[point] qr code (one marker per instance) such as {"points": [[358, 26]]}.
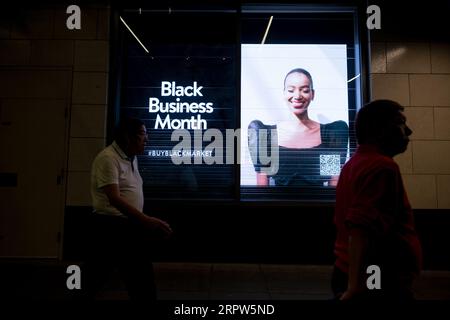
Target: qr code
{"points": [[330, 164]]}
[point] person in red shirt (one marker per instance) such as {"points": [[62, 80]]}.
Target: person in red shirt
{"points": [[373, 217]]}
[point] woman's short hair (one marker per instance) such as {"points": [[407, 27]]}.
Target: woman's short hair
{"points": [[300, 70], [374, 118], [127, 128]]}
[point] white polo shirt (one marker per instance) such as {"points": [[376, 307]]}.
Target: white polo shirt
{"points": [[112, 166]]}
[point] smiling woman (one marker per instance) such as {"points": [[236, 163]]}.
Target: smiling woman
{"points": [[298, 95], [224, 76], [310, 153]]}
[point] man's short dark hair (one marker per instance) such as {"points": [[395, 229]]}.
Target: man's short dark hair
{"points": [[127, 127], [373, 118]]}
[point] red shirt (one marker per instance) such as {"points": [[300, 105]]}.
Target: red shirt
{"points": [[370, 194]]}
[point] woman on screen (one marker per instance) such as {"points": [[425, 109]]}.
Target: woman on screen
{"points": [[309, 153]]}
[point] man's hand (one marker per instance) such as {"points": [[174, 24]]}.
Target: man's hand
{"points": [[157, 225], [357, 251]]}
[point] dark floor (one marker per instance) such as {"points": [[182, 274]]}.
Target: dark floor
{"points": [[46, 279]]}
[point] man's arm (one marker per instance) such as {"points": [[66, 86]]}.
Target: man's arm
{"points": [[358, 244], [116, 200]]}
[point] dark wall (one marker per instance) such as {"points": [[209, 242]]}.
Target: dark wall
{"points": [[433, 229], [257, 234]]}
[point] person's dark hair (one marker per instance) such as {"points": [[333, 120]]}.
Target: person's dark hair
{"points": [[300, 70], [127, 128], [374, 119]]}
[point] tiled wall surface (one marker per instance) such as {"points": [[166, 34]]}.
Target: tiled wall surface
{"points": [[41, 59], [42, 63], [417, 75], [48, 43]]}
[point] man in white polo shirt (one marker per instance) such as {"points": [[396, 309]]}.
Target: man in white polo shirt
{"points": [[121, 230]]}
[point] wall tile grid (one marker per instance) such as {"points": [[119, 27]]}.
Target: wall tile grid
{"points": [[89, 100], [417, 75]]}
